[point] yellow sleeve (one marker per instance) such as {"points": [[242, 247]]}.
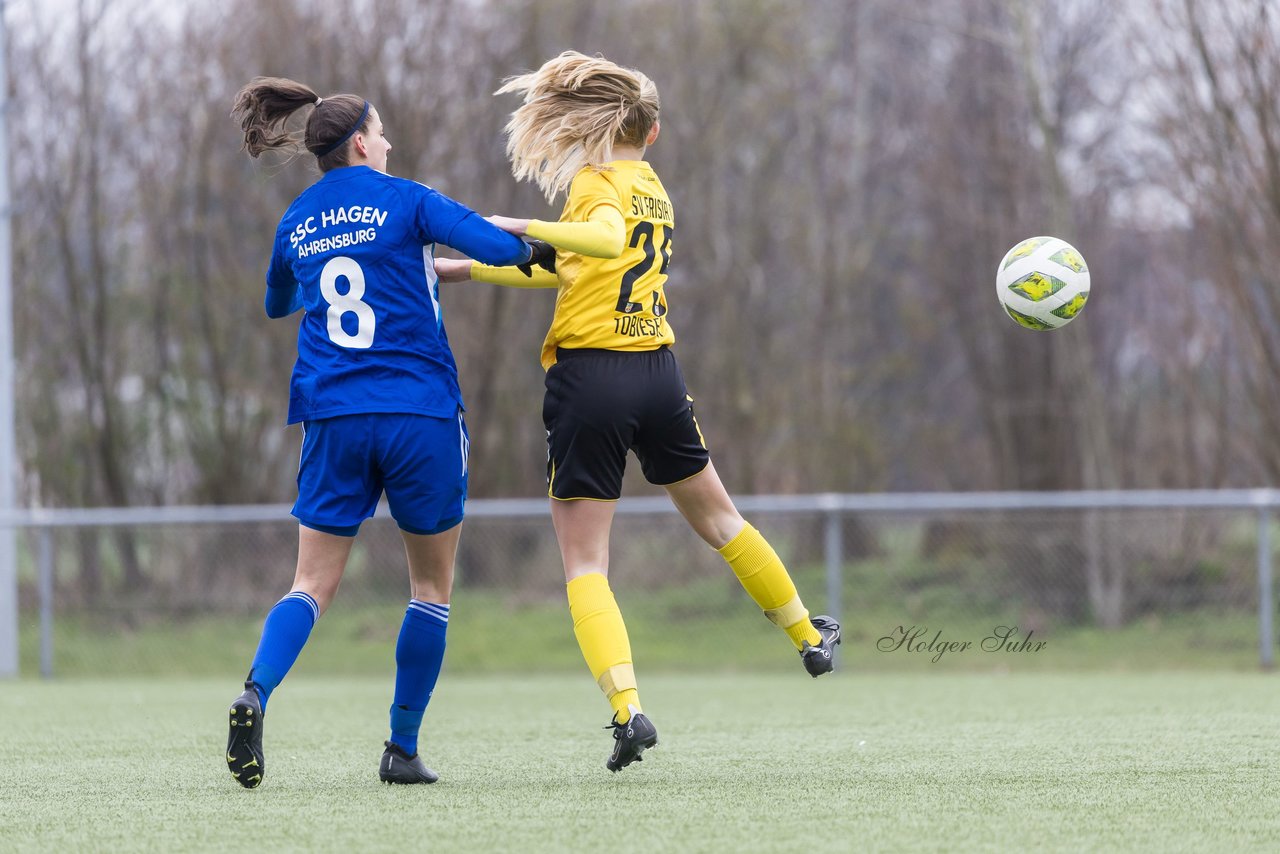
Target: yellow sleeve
{"points": [[512, 278], [601, 236]]}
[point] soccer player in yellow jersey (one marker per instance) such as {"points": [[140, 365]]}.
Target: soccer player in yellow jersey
{"points": [[613, 383]]}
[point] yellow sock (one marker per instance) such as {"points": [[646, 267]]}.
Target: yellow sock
{"points": [[602, 636], [761, 572]]}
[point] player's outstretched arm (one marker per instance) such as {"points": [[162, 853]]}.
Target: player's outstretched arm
{"points": [[601, 235], [452, 271]]}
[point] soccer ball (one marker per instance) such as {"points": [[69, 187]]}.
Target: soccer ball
{"points": [[1042, 283]]}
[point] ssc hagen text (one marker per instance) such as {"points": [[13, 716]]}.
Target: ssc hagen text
{"points": [[354, 215]]}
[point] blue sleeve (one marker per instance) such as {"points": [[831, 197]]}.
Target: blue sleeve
{"points": [[442, 220], [284, 294]]}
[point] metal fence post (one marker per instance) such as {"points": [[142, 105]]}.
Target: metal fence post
{"points": [[834, 545], [44, 572], [1266, 601]]}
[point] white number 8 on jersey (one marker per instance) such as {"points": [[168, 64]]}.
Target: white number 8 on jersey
{"points": [[348, 303]]}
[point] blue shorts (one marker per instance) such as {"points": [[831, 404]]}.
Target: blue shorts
{"points": [[349, 460]]}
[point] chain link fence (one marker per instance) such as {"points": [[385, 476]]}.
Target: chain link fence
{"points": [[1004, 580]]}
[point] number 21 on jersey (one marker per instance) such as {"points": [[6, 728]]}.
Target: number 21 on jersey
{"points": [[643, 233]]}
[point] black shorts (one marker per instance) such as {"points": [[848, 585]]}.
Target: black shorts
{"points": [[602, 403]]}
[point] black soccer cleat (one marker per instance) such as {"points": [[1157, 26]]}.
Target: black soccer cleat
{"points": [[399, 767], [630, 740], [244, 743], [818, 659]]}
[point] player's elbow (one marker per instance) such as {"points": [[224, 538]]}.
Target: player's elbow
{"points": [[613, 240], [608, 243], [280, 303]]}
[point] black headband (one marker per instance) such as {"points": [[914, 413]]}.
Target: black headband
{"points": [[346, 136]]}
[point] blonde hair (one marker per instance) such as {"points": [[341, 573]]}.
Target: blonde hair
{"points": [[576, 108]]}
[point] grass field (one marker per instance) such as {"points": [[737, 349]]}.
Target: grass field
{"points": [[1171, 761]]}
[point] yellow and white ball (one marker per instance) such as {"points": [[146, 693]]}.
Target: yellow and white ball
{"points": [[1043, 283]]}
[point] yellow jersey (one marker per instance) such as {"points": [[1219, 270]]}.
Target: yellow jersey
{"points": [[615, 303]]}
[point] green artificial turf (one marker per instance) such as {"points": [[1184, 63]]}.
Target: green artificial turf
{"points": [[930, 761]]}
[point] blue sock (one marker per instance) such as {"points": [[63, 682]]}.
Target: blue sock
{"points": [[283, 635], [419, 654]]}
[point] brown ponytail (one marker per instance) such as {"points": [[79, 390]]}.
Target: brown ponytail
{"points": [[264, 105]]}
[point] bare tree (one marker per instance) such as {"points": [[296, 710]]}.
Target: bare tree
{"points": [[1215, 100], [845, 181]]}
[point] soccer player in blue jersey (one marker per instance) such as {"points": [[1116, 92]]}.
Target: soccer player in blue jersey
{"points": [[375, 387]]}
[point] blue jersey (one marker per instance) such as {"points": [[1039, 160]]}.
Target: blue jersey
{"points": [[356, 252]]}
